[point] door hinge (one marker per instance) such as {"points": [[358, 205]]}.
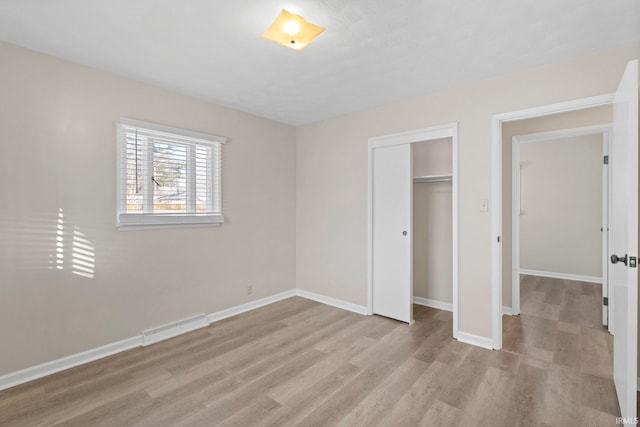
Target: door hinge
{"points": [[606, 160], [605, 301], [633, 262]]}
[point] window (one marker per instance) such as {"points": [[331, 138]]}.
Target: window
{"points": [[167, 176]]}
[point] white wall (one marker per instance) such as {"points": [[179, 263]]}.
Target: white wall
{"points": [[331, 204], [561, 205], [57, 151]]}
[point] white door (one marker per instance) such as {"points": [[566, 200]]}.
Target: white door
{"points": [[392, 248], [624, 238], [605, 231]]}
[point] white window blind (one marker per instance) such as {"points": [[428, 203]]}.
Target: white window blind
{"points": [[167, 176]]}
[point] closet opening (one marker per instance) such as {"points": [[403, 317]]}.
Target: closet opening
{"points": [[433, 224], [413, 225], [555, 212]]}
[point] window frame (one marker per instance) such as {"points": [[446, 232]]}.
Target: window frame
{"points": [[148, 219]]}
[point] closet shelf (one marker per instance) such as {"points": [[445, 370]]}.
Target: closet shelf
{"points": [[433, 178]]}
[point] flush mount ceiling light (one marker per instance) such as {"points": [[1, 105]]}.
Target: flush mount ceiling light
{"points": [[292, 30]]}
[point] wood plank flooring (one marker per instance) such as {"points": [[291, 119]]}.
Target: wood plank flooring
{"points": [[560, 327], [297, 362]]}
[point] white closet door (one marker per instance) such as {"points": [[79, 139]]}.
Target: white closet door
{"points": [[624, 239], [392, 237]]}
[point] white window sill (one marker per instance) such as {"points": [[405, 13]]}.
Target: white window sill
{"points": [[159, 221]]}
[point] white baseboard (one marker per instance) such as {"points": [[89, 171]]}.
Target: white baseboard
{"points": [[433, 303], [477, 340], [33, 373], [332, 302], [507, 310], [173, 329], [223, 314], [553, 275], [167, 331]]}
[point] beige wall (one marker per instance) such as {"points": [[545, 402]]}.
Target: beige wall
{"points": [[561, 205], [57, 151], [331, 204], [575, 119], [432, 221], [432, 157], [432, 241]]}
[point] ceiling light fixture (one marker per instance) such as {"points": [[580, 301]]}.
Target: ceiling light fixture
{"points": [[292, 30]]}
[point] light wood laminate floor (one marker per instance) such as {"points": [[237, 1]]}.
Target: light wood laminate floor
{"points": [[560, 326], [297, 362]]}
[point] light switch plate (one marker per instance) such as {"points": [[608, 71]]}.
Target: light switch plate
{"points": [[484, 205]]}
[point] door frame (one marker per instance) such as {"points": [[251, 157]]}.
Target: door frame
{"points": [[449, 130], [496, 191], [605, 131]]}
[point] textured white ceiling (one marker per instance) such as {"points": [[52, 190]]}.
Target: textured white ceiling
{"points": [[372, 52]]}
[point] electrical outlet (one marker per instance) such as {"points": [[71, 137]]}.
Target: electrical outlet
{"points": [[249, 290]]}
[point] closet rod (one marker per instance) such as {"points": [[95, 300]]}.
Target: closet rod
{"points": [[435, 178]]}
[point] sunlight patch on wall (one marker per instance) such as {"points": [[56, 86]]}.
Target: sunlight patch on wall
{"points": [[60, 241], [80, 253], [83, 255]]}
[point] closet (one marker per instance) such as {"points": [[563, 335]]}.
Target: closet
{"points": [[413, 220], [432, 223]]}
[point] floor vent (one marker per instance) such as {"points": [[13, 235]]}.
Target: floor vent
{"points": [[170, 330]]}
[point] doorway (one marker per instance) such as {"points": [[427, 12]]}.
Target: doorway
{"points": [[559, 209], [623, 220], [390, 218], [501, 216], [553, 202]]}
